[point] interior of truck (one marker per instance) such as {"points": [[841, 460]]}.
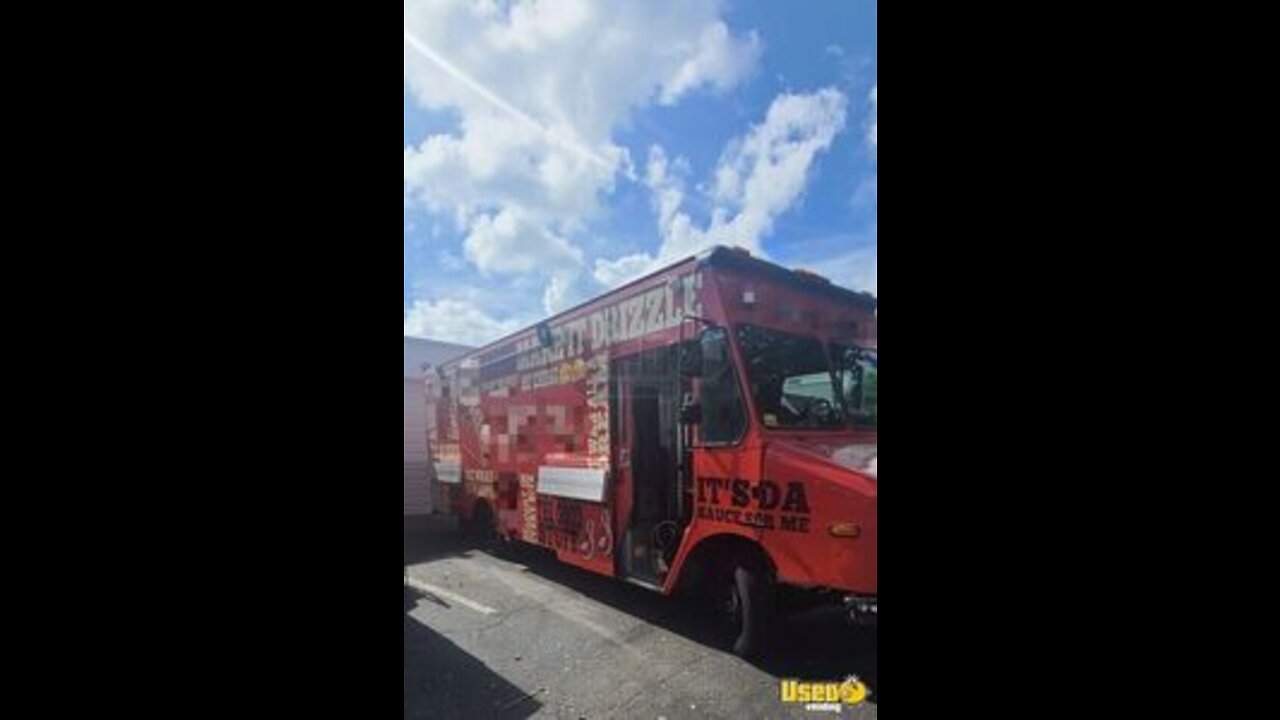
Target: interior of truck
{"points": [[645, 402]]}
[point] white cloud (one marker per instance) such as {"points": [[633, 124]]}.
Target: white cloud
{"points": [[499, 163], [567, 287], [665, 180], [760, 176], [455, 321], [539, 87], [857, 270], [573, 65], [533, 24], [613, 273], [449, 261], [721, 61], [764, 173], [508, 243]]}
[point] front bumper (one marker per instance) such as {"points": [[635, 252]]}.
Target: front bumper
{"points": [[863, 610]]}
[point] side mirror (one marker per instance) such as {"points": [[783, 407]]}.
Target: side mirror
{"points": [[690, 412], [691, 358]]}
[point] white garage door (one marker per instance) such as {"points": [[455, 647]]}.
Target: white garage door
{"points": [[417, 465]]}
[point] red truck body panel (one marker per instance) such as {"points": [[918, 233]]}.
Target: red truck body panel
{"points": [[557, 427]]}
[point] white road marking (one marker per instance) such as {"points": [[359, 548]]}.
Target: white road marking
{"points": [[446, 595], [559, 601]]}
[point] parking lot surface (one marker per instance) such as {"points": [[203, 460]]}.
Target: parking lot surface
{"points": [[518, 634]]}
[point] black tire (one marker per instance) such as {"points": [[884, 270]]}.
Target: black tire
{"points": [[751, 607], [472, 526], [480, 530]]}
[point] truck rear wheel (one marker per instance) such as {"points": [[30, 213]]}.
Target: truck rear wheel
{"points": [[748, 608], [482, 531], [479, 527]]}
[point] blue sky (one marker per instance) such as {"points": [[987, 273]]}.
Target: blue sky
{"points": [[556, 148]]}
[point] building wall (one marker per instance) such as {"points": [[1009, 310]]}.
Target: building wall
{"points": [[417, 464], [419, 490]]}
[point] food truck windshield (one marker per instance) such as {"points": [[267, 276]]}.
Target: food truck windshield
{"points": [[798, 383]]}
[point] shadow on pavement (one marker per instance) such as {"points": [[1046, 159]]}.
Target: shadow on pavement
{"points": [[441, 680], [814, 645], [422, 545]]}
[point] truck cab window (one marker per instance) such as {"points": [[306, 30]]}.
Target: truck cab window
{"points": [[791, 380], [723, 417], [857, 369]]}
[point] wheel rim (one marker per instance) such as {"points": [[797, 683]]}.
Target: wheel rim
{"points": [[733, 607]]}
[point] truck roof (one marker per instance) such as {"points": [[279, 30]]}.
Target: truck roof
{"points": [[729, 258], [719, 256]]}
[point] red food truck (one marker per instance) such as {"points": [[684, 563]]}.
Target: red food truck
{"points": [[709, 429]]}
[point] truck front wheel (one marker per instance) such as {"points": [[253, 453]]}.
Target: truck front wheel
{"points": [[748, 605]]}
